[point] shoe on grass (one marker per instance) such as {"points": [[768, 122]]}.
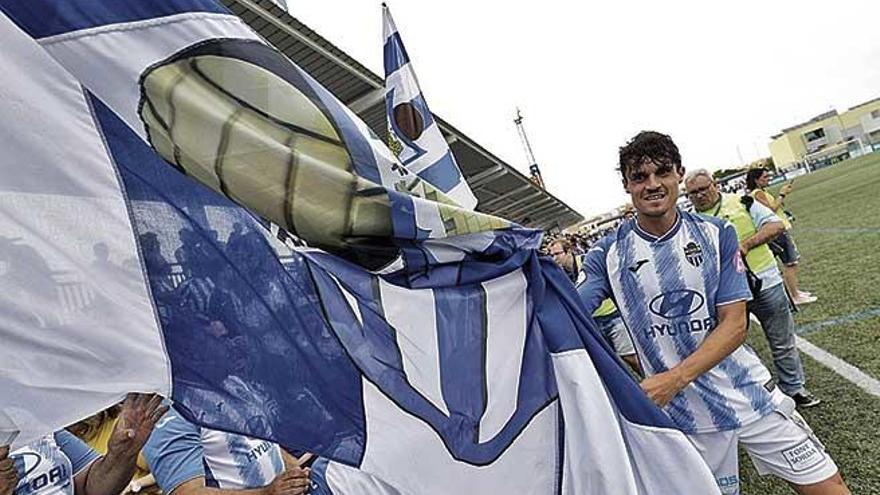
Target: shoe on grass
{"points": [[804, 300], [806, 399]]}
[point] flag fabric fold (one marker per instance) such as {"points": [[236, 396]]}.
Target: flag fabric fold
{"points": [[406, 328], [413, 133]]}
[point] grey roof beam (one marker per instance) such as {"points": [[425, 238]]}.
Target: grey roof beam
{"points": [[548, 220], [367, 100], [504, 196], [539, 212], [522, 208], [484, 176], [270, 18], [524, 199], [551, 211]]}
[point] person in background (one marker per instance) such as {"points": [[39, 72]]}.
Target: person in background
{"points": [[607, 317], [783, 246], [755, 226], [61, 464]]}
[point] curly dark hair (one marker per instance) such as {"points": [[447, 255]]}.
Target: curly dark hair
{"points": [[648, 146], [752, 177]]}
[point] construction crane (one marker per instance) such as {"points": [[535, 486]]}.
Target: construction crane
{"points": [[534, 171]]}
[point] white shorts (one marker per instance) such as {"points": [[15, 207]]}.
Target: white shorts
{"points": [[780, 443]]}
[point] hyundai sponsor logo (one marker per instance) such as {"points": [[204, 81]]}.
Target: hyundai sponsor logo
{"points": [[677, 303]]}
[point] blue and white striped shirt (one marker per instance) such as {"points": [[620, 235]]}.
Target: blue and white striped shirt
{"points": [[668, 289], [179, 451]]}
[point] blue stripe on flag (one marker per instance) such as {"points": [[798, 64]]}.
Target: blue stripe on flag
{"points": [[256, 306], [461, 336], [562, 309], [74, 15], [442, 174], [509, 250], [377, 355], [395, 54]]}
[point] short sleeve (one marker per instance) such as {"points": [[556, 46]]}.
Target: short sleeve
{"points": [[174, 451], [761, 215], [79, 452], [595, 288], [732, 285]]}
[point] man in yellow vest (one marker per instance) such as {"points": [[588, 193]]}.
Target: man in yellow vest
{"points": [[606, 316], [783, 245], [756, 225]]}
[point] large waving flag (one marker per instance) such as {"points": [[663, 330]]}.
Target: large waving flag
{"points": [[413, 133], [408, 328]]}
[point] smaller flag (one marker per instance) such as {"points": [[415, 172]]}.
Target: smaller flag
{"points": [[413, 133]]}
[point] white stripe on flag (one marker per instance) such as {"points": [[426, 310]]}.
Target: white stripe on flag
{"points": [[349, 297], [144, 43], [78, 327], [412, 314], [506, 334], [407, 453]]}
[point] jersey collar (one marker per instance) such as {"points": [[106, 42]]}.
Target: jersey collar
{"points": [[666, 236]]}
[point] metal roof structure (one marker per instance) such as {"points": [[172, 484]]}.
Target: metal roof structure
{"points": [[500, 189]]}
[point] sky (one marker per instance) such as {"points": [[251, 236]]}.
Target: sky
{"points": [[720, 78]]}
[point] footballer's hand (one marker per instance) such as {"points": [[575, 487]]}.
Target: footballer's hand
{"points": [[8, 476], [786, 189], [662, 387]]}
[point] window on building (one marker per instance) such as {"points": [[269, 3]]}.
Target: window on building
{"points": [[814, 134], [875, 114]]}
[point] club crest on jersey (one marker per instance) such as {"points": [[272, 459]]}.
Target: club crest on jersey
{"points": [[693, 253]]}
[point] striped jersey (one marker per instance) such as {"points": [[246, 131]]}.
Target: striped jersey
{"points": [[48, 465], [668, 289], [178, 451]]}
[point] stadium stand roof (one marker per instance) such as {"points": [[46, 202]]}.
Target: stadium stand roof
{"points": [[500, 189]]}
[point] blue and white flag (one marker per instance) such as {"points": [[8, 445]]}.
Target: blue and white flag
{"points": [[420, 347], [413, 133]]}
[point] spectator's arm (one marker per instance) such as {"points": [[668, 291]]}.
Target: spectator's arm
{"points": [[111, 474], [764, 235], [768, 225]]}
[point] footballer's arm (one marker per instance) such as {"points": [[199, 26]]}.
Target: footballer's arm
{"points": [[728, 335]]}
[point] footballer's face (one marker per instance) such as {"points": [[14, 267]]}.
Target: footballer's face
{"points": [[653, 188], [763, 180]]}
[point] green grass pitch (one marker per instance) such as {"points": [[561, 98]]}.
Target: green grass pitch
{"points": [[838, 234]]}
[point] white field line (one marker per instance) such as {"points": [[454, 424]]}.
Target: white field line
{"points": [[839, 366]]}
